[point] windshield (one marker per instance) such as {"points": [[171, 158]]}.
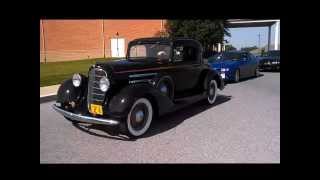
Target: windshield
{"points": [[225, 56], [150, 50]]}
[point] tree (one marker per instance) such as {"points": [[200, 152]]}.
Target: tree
{"points": [[229, 47], [161, 34], [250, 48], [207, 32]]}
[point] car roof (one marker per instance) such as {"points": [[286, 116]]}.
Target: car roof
{"points": [[152, 39]]}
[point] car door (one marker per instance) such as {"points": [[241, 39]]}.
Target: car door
{"points": [[253, 64], [187, 66], [243, 65]]}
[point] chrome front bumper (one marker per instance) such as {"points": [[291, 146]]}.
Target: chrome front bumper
{"points": [[85, 119]]}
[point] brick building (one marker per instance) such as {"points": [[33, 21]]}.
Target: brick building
{"points": [[62, 40]]}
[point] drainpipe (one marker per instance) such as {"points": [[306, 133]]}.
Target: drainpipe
{"points": [[103, 41], [219, 47]]}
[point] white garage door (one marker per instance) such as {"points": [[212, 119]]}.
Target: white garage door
{"points": [[117, 47]]}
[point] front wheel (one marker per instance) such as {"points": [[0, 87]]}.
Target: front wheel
{"points": [[139, 118]]}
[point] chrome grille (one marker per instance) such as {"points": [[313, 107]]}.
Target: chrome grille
{"points": [[95, 95]]}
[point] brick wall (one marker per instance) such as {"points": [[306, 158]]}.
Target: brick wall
{"points": [[77, 39]]}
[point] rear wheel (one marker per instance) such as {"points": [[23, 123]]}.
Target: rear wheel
{"points": [[139, 118], [212, 91]]}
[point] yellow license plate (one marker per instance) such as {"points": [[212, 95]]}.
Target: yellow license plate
{"points": [[96, 109]]}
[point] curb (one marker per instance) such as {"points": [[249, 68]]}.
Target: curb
{"points": [[48, 97]]}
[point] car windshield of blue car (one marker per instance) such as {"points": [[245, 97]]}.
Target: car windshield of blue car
{"points": [[157, 51], [225, 56]]}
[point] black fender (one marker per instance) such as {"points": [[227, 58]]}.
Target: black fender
{"points": [[215, 75], [68, 93], [121, 103]]}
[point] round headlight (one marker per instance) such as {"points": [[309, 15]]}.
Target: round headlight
{"points": [[104, 84], [76, 80]]}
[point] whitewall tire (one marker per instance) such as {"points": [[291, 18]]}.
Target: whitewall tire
{"points": [[140, 117], [212, 91]]}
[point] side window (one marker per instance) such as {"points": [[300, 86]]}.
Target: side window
{"points": [[185, 53], [138, 51]]}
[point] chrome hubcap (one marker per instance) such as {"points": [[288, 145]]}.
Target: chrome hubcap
{"points": [[139, 116], [211, 91]]}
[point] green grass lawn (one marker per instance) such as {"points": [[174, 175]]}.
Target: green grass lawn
{"points": [[52, 73]]}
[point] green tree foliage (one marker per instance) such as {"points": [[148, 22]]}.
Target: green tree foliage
{"points": [[161, 34], [229, 47], [207, 32]]}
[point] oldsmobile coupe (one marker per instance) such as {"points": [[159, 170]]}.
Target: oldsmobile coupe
{"points": [[131, 92]]}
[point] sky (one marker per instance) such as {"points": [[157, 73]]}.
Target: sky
{"points": [[243, 37]]}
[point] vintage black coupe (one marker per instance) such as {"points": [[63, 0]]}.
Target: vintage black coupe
{"points": [[129, 93]]}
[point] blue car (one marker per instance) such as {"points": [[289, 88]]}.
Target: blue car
{"points": [[234, 65]]}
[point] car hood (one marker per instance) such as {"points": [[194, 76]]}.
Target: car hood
{"points": [[127, 65], [222, 64]]}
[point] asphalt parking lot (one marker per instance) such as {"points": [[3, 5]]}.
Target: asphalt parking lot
{"points": [[242, 127]]}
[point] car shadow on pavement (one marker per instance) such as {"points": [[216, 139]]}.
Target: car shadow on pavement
{"points": [[159, 125], [173, 119], [108, 132]]}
